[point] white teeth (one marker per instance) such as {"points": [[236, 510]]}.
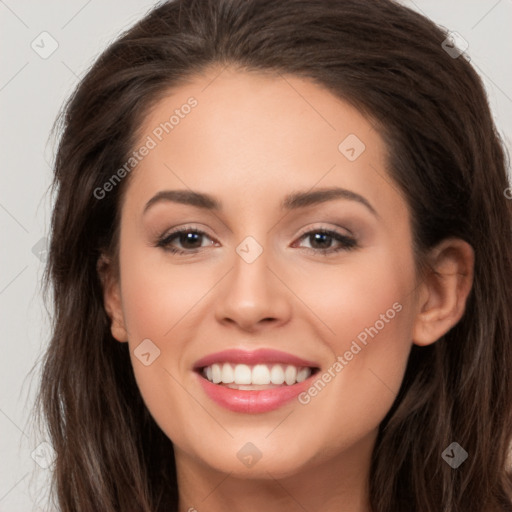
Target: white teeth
{"points": [[216, 374], [259, 375], [290, 375], [277, 374], [242, 374], [228, 375], [303, 374]]}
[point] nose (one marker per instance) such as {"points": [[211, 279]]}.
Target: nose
{"points": [[253, 296]]}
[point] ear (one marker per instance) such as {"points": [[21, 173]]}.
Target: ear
{"points": [[444, 290], [112, 298]]}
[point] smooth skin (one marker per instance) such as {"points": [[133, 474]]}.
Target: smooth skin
{"points": [[253, 139]]}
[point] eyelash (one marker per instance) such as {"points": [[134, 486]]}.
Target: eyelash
{"points": [[347, 243]]}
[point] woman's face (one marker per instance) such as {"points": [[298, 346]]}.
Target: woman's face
{"points": [[262, 276]]}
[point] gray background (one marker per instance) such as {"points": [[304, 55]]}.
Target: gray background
{"points": [[32, 90]]}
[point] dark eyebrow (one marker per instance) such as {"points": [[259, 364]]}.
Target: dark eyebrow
{"points": [[189, 197], [303, 199], [291, 202]]}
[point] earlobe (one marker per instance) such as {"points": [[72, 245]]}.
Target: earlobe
{"points": [[112, 298], [444, 290]]}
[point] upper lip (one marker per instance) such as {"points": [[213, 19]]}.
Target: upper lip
{"points": [[252, 357]]}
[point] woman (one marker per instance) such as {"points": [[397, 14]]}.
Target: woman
{"points": [[281, 267]]}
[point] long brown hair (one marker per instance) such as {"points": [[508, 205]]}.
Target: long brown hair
{"points": [[444, 155]]}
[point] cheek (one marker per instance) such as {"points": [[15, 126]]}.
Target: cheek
{"points": [[362, 293], [163, 303], [351, 397], [158, 296], [354, 394], [370, 313]]}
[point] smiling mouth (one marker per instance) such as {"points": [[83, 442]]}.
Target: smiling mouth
{"points": [[256, 377]]}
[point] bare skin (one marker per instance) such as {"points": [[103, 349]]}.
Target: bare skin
{"points": [[252, 140]]}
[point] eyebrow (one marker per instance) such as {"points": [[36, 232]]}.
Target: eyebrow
{"points": [[293, 201]]}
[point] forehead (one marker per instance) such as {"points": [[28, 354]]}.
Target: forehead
{"points": [[251, 138]]}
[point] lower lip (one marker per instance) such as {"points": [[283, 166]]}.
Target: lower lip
{"points": [[253, 401]]}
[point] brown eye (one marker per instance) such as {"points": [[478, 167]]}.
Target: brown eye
{"points": [[321, 240], [189, 239]]}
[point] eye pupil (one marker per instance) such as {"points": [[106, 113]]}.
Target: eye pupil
{"points": [[190, 237], [322, 237]]}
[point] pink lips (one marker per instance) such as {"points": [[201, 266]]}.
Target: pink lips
{"points": [[252, 401]]}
